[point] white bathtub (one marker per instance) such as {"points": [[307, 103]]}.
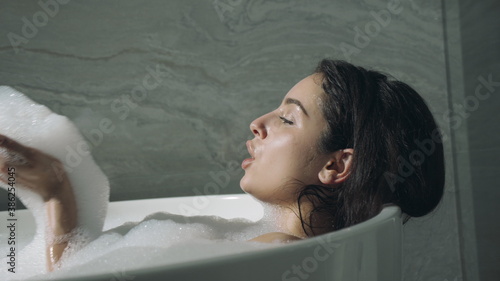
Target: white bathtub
{"points": [[368, 251]]}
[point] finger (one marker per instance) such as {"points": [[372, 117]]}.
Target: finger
{"points": [[13, 152], [2, 139], [13, 145], [18, 182]]}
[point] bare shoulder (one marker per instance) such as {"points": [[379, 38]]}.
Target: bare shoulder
{"points": [[275, 237]]}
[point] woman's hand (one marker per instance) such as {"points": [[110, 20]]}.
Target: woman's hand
{"points": [[34, 169], [44, 175]]}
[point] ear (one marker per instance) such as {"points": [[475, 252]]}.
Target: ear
{"points": [[338, 167]]}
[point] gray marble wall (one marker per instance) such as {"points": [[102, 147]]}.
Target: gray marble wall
{"points": [[181, 80], [480, 23]]}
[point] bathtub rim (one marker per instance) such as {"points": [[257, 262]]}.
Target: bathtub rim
{"points": [[387, 214]]}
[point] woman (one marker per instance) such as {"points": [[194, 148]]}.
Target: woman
{"points": [[344, 142]]}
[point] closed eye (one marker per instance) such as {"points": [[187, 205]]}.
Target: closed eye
{"points": [[286, 121]]}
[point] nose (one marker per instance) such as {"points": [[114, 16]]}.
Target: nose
{"points": [[258, 127]]}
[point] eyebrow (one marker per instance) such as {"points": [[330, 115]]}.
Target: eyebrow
{"points": [[298, 103]]}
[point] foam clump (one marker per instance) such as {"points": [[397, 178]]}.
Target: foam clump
{"points": [[34, 125]]}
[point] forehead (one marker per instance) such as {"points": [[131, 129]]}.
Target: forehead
{"points": [[309, 92]]}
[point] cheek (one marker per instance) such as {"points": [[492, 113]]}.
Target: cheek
{"points": [[283, 147], [285, 165], [279, 166]]}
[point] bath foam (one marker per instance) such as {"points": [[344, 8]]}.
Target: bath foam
{"points": [[163, 239], [34, 125]]}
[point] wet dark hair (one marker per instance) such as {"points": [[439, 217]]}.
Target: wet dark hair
{"points": [[398, 152]]}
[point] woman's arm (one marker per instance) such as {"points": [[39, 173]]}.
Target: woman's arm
{"points": [[44, 175], [61, 221]]}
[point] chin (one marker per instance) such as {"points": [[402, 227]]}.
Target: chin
{"points": [[247, 189], [255, 189], [243, 185]]}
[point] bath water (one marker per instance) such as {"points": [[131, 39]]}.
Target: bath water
{"points": [[159, 239]]}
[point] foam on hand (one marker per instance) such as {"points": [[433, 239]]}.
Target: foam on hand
{"points": [[36, 126]]}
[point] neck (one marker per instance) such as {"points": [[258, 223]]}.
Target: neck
{"points": [[290, 221], [292, 224]]}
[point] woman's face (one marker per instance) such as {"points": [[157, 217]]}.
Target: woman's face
{"points": [[284, 149]]}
